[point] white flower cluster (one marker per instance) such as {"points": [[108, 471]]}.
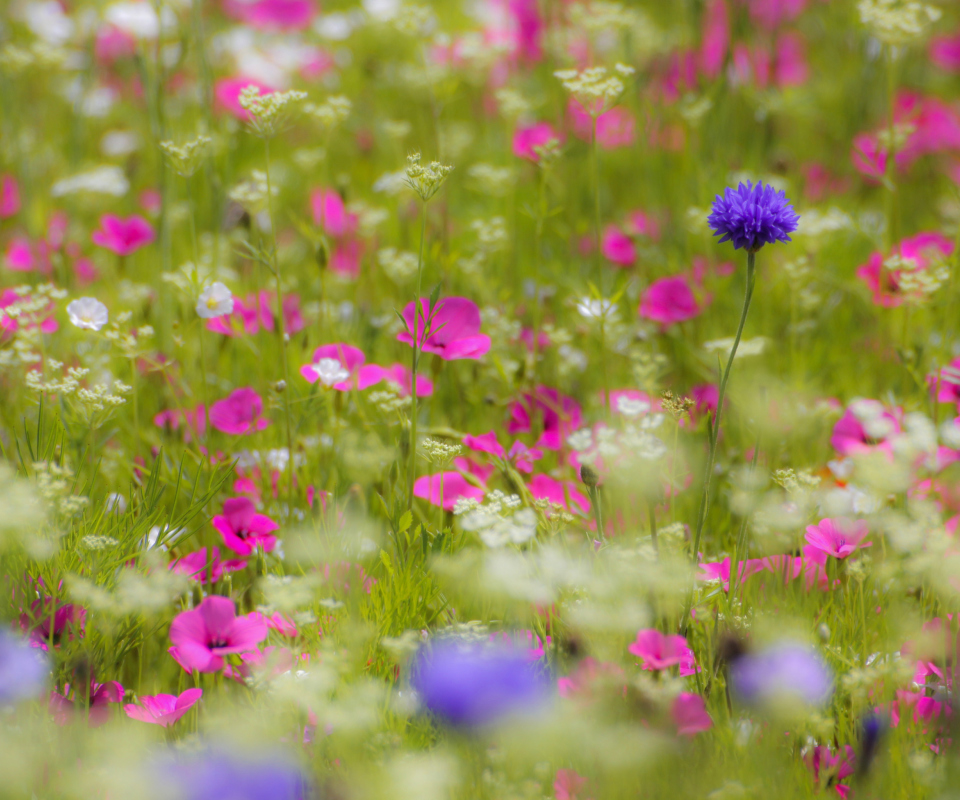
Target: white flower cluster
{"points": [[499, 520], [185, 159], [594, 88], [101, 396], [425, 180], [55, 485], [269, 112], [66, 385], [491, 180], [916, 282], [252, 194], [333, 111], [897, 22], [399, 265], [634, 442]]}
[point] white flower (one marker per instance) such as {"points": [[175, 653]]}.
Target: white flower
{"points": [[214, 301], [102, 180], [139, 19], [48, 21], [330, 371], [89, 313]]}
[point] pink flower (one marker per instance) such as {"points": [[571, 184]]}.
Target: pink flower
{"points": [[641, 223], [452, 328], [867, 155], [272, 14], [212, 630], [239, 413], [43, 320], [945, 383], [243, 529], [9, 196], [561, 416], [838, 537], [112, 44], [884, 282], [617, 247], [194, 421], [450, 485], [100, 696], [690, 715], [945, 52], [227, 94], [123, 236], [770, 14], [669, 301], [248, 316], [163, 709], [67, 621], [528, 138], [853, 434], [659, 651], [543, 487], [568, 785], [837, 766], [344, 364], [486, 443], [205, 566], [716, 38], [24, 256], [400, 376], [720, 571], [615, 128], [330, 213]]}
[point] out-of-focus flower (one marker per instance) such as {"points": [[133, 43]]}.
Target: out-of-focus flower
{"points": [[690, 714], [99, 699], [214, 301], [340, 366], [204, 565], [910, 273], [9, 196], [752, 215], [238, 775], [88, 313], [669, 301], [529, 140], [469, 685], [838, 537], [239, 413], [212, 630], [23, 671], [658, 650], [123, 236], [163, 709], [451, 329], [243, 529], [617, 247], [561, 416], [784, 672], [274, 15], [446, 488]]}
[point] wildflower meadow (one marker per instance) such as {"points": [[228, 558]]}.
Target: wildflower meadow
{"points": [[479, 399]]}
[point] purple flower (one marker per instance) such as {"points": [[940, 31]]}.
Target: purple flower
{"points": [[471, 684], [218, 773], [783, 671], [752, 216], [23, 671]]}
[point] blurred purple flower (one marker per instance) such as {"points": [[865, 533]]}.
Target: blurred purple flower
{"points": [[752, 215], [235, 775], [469, 684], [23, 671], [785, 670]]}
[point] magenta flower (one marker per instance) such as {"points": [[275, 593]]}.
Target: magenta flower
{"points": [[239, 413], [163, 709], [243, 529], [543, 487], [690, 715], [68, 621], [923, 250], [669, 301], [945, 383], [213, 630], [273, 15], [720, 571], [44, 319], [340, 366], [486, 443], [945, 52], [451, 486], [659, 651], [528, 138], [561, 416], [617, 247], [100, 696], [399, 375], [227, 94], [247, 318], [615, 128], [205, 565], [330, 213], [838, 537], [9, 196], [123, 236], [452, 328], [569, 785], [853, 434]]}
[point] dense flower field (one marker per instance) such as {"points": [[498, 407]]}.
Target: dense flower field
{"points": [[479, 399]]}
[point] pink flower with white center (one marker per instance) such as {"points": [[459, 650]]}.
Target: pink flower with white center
{"points": [[163, 709], [690, 715], [451, 329], [838, 537], [340, 366], [123, 236], [239, 413], [659, 651], [669, 301], [211, 631], [243, 529]]}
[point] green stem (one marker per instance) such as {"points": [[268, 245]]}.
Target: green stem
{"points": [[715, 431], [598, 258], [891, 165], [415, 360]]}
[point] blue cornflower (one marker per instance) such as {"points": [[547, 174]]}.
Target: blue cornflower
{"points": [[786, 670], [23, 670], [218, 773], [752, 215], [468, 684]]}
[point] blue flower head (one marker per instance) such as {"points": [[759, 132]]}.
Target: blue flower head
{"points": [[752, 215]]}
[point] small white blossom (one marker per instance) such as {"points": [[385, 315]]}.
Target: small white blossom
{"points": [[89, 313], [214, 301], [329, 371]]}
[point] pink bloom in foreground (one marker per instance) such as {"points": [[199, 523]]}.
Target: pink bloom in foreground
{"points": [[351, 372], [690, 714], [212, 630], [669, 301], [123, 236], [838, 537], [163, 709], [243, 529], [239, 413], [530, 137], [452, 328], [617, 247], [451, 486], [659, 651]]}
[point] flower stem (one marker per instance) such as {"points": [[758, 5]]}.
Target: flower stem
{"points": [[415, 360], [715, 430], [598, 257]]}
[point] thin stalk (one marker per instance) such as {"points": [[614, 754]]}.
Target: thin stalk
{"points": [[715, 429], [598, 258], [891, 165], [415, 360]]}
